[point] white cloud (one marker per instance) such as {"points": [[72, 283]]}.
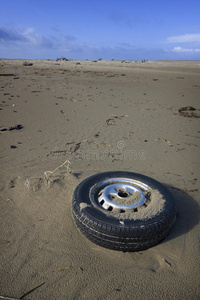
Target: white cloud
{"points": [[24, 37], [186, 38], [27, 43], [31, 36], [185, 50]]}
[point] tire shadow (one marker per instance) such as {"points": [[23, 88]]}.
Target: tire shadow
{"points": [[188, 212]]}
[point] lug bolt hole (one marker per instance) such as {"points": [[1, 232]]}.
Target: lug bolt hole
{"points": [[122, 194], [102, 202]]}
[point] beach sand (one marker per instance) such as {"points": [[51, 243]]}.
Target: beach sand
{"points": [[100, 116]]}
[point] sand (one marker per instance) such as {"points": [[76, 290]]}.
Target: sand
{"points": [[152, 207], [101, 116]]}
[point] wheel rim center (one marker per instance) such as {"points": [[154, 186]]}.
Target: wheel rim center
{"points": [[122, 194], [119, 193]]}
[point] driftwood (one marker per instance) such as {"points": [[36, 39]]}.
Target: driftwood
{"points": [[7, 74], [186, 108], [57, 151], [77, 147], [18, 127], [27, 64], [32, 290], [188, 111], [62, 269]]}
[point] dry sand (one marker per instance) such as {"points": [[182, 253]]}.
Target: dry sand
{"points": [[101, 116]]}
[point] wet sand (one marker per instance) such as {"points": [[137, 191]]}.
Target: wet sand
{"points": [[100, 116]]}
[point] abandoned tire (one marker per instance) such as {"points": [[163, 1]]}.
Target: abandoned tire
{"points": [[123, 211]]}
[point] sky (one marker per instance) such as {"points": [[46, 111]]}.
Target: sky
{"points": [[100, 29]]}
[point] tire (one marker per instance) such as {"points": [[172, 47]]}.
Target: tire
{"points": [[123, 211]]}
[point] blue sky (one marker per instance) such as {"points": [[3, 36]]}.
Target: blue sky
{"points": [[93, 29]]}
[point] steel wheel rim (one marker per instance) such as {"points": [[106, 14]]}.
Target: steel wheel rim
{"points": [[120, 194]]}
